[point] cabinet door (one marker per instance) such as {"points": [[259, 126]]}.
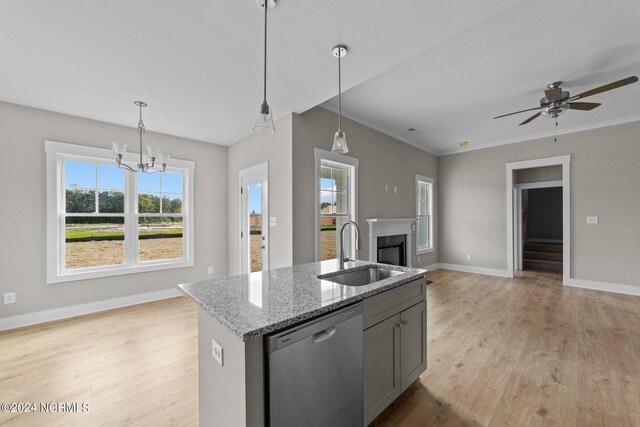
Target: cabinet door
{"points": [[413, 343], [381, 366]]}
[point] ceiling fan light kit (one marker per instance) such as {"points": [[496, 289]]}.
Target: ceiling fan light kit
{"points": [[557, 102]]}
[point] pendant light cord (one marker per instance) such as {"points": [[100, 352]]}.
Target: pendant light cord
{"points": [[339, 89], [265, 49]]}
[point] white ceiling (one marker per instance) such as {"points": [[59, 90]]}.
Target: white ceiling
{"points": [[198, 62], [452, 91]]}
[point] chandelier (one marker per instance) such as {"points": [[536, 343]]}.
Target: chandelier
{"points": [[153, 162]]}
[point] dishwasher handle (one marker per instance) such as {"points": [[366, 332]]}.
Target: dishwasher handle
{"points": [[324, 335]]}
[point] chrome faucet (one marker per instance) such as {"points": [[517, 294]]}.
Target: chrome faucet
{"points": [[342, 259]]}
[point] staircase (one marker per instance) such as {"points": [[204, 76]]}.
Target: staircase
{"points": [[542, 256]]}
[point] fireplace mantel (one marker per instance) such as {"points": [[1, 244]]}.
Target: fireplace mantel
{"points": [[389, 227]]}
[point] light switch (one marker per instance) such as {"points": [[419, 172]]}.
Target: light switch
{"points": [[216, 351], [592, 220], [395, 189], [273, 221], [386, 188]]}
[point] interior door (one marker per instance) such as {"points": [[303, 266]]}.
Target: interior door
{"points": [[254, 217]]}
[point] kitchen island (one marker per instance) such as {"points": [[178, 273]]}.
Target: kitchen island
{"points": [[236, 316]]}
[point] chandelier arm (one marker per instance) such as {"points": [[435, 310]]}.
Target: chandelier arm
{"points": [[127, 166]]}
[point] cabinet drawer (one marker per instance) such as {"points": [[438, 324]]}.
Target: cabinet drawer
{"points": [[386, 304]]}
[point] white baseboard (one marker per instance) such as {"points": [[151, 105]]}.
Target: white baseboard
{"points": [[603, 286], [470, 269], [80, 309]]}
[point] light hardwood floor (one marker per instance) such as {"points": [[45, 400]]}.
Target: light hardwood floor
{"points": [[515, 352]]}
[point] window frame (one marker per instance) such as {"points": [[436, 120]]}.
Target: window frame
{"points": [[343, 162], [56, 154], [429, 182]]}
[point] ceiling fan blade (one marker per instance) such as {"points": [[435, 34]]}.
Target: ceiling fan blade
{"points": [[518, 112], [584, 106], [535, 116], [606, 87], [554, 94]]}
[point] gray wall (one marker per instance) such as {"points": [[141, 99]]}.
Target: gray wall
{"points": [[23, 215], [547, 173], [544, 209], [604, 181], [383, 160], [254, 149]]}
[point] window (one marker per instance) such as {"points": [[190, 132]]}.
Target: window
{"points": [[424, 214], [336, 202], [103, 220]]}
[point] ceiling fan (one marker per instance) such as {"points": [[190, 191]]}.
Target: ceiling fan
{"points": [[556, 101]]}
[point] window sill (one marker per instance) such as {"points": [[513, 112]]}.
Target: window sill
{"points": [[117, 271], [424, 251]]}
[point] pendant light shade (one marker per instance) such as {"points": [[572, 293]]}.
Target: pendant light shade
{"points": [[340, 138], [340, 142], [264, 122]]}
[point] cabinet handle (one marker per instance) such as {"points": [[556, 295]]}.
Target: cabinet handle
{"points": [[404, 322], [398, 325]]}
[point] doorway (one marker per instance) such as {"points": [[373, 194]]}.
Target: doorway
{"points": [[254, 215], [539, 240], [515, 238]]}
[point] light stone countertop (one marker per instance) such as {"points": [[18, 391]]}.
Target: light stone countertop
{"points": [[256, 304]]}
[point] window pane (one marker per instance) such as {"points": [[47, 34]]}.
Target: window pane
{"points": [[327, 237], [422, 207], [110, 177], [148, 183], [340, 179], [149, 203], [93, 242], [79, 174], [79, 200], [326, 182], [423, 232], [341, 203], [171, 203], [327, 202], [159, 238], [111, 202], [171, 182], [422, 192]]}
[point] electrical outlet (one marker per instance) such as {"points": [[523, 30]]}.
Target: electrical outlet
{"points": [[592, 220], [418, 259], [216, 351], [468, 257], [10, 298], [273, 221], [386, 188], [210, 269]]}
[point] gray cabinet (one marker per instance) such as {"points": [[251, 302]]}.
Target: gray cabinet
{"points": [[395, 349], [413, 344], [382, 380]]}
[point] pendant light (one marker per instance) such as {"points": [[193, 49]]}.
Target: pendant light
{"points": [[340, 138], [264, 123]]}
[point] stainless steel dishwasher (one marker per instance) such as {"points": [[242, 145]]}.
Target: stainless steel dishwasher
{"points": [[315, 372]]}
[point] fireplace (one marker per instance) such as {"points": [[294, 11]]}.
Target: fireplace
{"points": [[391, 250], [390, 241]]}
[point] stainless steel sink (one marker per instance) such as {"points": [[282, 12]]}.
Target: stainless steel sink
{"points": [[361, 277]]}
